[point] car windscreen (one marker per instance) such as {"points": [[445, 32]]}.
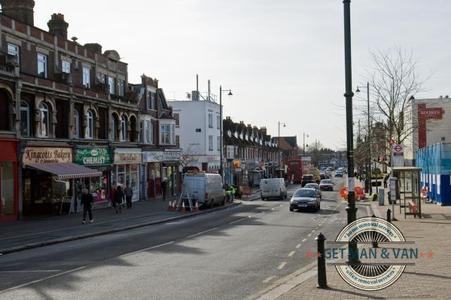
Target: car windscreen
{"points": [[326, 181], [311, 186], [305, 193]]}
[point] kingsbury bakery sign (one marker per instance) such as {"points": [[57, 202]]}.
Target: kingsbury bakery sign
{"points": [[93, 156], [38, 155]]}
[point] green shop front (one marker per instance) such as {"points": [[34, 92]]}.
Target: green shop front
{"points": [[100, 159]]}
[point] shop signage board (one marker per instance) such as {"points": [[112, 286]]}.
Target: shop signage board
{"points": [[93, 156], [43, 155], [160, 156], [127, 157]]}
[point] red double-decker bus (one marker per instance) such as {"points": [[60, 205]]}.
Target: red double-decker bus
{"points": [[294, 171]]}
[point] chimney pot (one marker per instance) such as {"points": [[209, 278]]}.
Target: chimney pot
{"points": [[21, 10], [58, 26]]}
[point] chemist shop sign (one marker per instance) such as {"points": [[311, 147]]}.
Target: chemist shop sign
{"points": [[93, 156]]}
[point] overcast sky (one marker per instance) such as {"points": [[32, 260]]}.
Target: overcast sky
{"points": [[283, 59]]}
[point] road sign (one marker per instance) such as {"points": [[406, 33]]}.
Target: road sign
{"points": [[397, 149]]}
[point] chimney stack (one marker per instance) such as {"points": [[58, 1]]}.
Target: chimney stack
{"points": [[20, 10], [58, 26]]}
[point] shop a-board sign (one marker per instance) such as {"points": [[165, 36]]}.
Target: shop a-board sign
{"points": [[93, 156], [45, 155]]}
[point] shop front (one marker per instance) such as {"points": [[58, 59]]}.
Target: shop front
{"points": [[162, 165], [126, 168], [9, 201], [100, 159], [49, 179]]}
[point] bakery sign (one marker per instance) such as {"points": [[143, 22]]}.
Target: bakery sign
{"points": [[122, 157], [43, 155]]}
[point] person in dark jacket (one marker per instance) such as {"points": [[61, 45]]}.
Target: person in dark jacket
{"points": [[118, 199], [87, 200], [128, 191]]}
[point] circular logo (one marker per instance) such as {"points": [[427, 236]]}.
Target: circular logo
{"points": [[370, 274], [94, 152]]}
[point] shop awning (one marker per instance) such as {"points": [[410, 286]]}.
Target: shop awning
{"points": [[66, 170]]}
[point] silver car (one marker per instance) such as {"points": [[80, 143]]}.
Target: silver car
{"points": [[305, 198]]}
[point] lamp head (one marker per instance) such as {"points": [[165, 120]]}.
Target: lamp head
{"points": [[357, 90], [230, 93]]}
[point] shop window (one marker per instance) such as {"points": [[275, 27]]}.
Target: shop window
{"points": [[76, 131], [89, 131], [44, 120], [25, 129], [7, 189], [123, 133]]}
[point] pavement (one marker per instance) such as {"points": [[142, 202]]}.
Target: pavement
{"points": [[429, 279], [39, 232]]}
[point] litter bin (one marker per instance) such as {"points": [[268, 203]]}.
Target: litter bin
{"points": [[381, 197]]}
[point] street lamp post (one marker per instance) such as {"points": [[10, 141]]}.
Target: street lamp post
{"points": [[221, 150], [368, 173], [278, 142], [351, 209], [303, 142]]}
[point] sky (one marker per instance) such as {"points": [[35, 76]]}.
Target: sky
{"points": [[282, 59]]}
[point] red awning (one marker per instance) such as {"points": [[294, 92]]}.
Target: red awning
{"points": [[66, 170]]}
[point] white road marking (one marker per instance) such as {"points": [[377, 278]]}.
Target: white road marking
{"points": [[236, 221], [200, 233], [304, 240], [298, 246], [291, 253], [282, 265], [268, 279], [309, 235], [146, 249], [29, 271]]}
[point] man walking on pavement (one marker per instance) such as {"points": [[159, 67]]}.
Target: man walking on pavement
{"points": [[86, 201], [163, 188], [128, 195], [117, 200]]}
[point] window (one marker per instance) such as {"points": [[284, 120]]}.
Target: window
{"points": [[65, 66], [24, 119], [148, 132], [150, 100], [166, 134], [219, 143], [210, 143], [89, 131], [76, 124], [177, 141], [218, 122], [42, 65], [177, 120], [86, 77], [210, 120], [14, 51], [123, 128], [111, 87], [121, 87], [44, 122]]}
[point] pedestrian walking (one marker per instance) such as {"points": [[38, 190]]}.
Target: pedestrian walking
{"points": [[118, 199], [87, 200], [128, 191]]}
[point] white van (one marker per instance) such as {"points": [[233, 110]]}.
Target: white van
{"points": [[205, 188], [273, 188]]}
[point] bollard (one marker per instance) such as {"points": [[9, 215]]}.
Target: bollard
{"points": [[389, 215], [322, 280]]}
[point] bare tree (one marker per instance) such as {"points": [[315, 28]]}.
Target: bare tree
{"points": [[394, 81]]}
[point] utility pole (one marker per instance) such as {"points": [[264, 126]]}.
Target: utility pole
{"points": [[370, 187]]}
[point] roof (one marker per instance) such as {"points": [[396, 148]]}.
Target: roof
{"points": [[66, 170]]}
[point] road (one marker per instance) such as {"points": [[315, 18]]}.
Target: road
{"points": [[229, 254]]}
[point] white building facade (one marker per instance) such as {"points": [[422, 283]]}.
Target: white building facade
{"points": [[197, 133]]}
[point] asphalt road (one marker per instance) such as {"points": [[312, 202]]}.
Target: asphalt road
{"points": [[229, 254]]}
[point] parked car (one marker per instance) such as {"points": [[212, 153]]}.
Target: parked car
{"points": [[338, 174], [307, 178], [205, 188], [305, 199], [273, 188], [326, 185]]}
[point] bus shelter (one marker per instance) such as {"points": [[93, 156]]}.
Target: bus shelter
{"points": [[408, 190]]}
